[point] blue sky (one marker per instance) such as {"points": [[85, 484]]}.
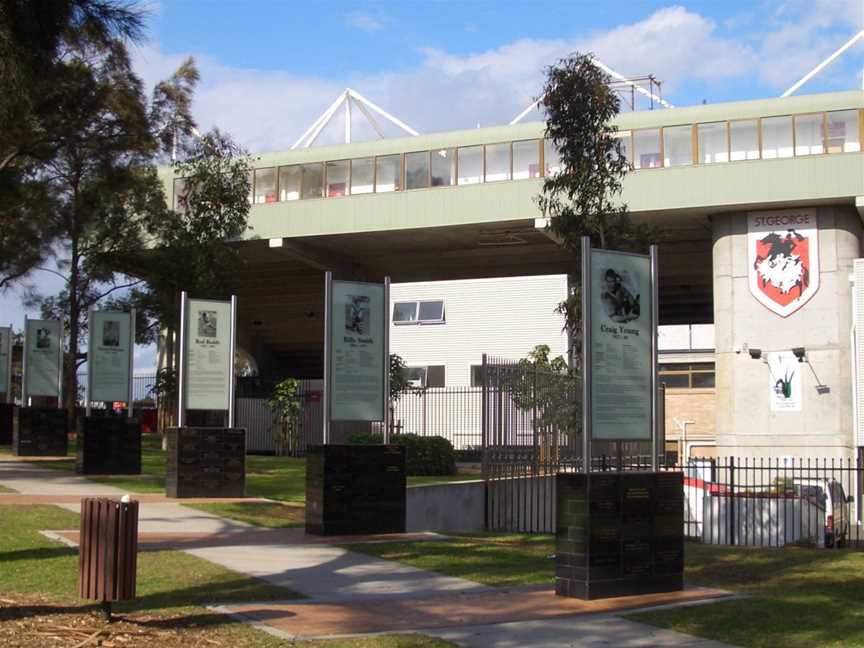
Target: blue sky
{"points": [[269, 68]]}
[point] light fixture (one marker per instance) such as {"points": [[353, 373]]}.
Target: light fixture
{"points": [[800, 353], [755, 353]]}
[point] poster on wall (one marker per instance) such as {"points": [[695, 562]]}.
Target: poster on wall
{"points": [[43, 353], [109, 356], [358, 353], [784, 383], [783, 258], [621, 333], [209, 366]]}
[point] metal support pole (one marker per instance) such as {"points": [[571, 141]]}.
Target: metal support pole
{"points": [[586, 354], [88, 390], [181, 369], [655, 318], [328, 315], [131, 362], [386, 396], [232, 350]]}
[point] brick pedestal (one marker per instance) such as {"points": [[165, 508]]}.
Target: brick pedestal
{"points": [[39, 432], [355, 489], [108, 445], [7, 419], [206, 462], [619, 534]]}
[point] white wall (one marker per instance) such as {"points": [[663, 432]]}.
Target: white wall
{"points": [[504, 317]]}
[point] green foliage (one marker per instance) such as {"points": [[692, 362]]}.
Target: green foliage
{"points": [[285, 403], [398, 382], [424, 455], [584, 199], [548, 389]]}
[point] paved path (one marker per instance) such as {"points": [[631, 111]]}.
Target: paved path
{"points": [[603, 631], [30, 479]]}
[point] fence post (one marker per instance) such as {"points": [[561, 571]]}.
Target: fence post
{"points": [[731, 507]]}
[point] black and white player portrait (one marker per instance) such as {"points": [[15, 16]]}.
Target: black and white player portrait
{"points": [[619, 296], [111, 333], [357, 314], [43, 338], [207, 323]]}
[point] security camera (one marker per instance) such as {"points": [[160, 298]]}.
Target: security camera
{"points": [[755, 353], [800, 353]]}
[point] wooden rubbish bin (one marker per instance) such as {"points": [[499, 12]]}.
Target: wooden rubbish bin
{"points": [[108, 551]]}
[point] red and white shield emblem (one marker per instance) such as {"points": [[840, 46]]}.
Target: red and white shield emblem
{"points": [[783, 254]]}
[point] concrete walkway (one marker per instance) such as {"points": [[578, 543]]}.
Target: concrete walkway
{"points": [[603, 631]]}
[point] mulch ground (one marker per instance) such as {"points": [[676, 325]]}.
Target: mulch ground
{"points": [[36, 622]]}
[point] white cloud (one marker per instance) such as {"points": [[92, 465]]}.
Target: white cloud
{"points": [[366, 22]]}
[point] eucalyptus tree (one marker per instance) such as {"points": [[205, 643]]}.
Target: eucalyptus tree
{"points": [[584, 197]]}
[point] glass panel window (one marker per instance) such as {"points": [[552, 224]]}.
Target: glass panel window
{"points": [[443, 167], [265, 186], [289, 182], [417, 170], [551, 159], [808, 134], [776, 137], [625, 138], [526, 159], [312, 180], [180, 195], [713, 146], [703, 379], [431, 311], [843, 132], [337, 178], [646, 149], [744, 140], [405, 312], [470, 165], [476, 375], [388, 173], [415, 376], [677, 146], [675, 380], [497, 162], [435, 376], [362, 176]]}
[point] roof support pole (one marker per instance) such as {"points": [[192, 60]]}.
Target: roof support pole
{"points": [[824, 63]]}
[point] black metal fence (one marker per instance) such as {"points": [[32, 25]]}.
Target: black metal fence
{"points": [[455, 413], [774, 502], [142, 390]]}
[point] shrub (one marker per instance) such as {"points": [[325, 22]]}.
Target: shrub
{"points": [[424, 455]]}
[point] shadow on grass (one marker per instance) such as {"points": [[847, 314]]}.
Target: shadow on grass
{"points": [[39, 553]]}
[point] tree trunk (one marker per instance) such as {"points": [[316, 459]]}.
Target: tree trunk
{"points": [[74, 329]]}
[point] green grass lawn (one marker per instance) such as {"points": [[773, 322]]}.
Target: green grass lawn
{"points": [[170, 583], [3, 489], [797, 597], [497, 559]]}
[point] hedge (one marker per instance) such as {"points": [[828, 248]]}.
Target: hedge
{"points": [[424, 455]]}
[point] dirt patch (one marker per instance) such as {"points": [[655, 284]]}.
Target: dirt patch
{"points": [[28, 622]]}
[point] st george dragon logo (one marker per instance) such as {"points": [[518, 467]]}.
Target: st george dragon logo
{"points": [[783, 255]]}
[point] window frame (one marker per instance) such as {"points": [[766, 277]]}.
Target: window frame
{"points": [[417, 303]]}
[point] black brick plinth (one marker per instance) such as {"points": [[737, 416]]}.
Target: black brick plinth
{"points": [[355, 489], [108, 445], [619, 534], [7, 418], [39, 432], [206, 462]]}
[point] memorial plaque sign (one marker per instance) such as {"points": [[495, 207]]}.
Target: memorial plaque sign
{"points": [[43, 356], [358, 351], [209, 363], [109, 356], [6, 362]]}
